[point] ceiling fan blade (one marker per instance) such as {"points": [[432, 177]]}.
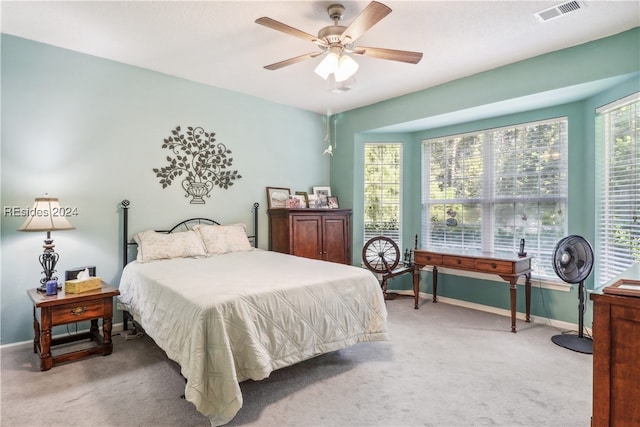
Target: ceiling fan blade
{"points": [[290, 61], [369, 17], [279, 26], [390, 54]]}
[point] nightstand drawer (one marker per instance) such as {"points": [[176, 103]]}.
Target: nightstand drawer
{"points": [[76, 312], [492, 266]]}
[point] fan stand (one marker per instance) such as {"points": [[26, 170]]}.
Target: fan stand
{"points": [[579, 342]]}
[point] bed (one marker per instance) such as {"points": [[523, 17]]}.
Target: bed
{"points": [[228, 312]]}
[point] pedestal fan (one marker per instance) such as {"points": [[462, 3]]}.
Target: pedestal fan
{"points": [[572, 262]]}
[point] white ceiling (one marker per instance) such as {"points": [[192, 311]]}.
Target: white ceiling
{"points": [[217, 42]]}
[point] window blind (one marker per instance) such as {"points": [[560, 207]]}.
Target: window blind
{"points": [[486, 190], [618, 184], [382, 191]]}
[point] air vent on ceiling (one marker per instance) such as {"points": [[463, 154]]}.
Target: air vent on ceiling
{"points": [[559, 10]]}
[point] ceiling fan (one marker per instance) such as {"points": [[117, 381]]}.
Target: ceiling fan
{"points": [[336, 41]]}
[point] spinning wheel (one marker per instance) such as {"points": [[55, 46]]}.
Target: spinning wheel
{"points": [[381, 254]]}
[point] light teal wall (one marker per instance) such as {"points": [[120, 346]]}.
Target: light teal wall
{"points": [[89, 131], [616, 56]]}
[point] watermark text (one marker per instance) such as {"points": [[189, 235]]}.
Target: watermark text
{"points": [[56, 211]]}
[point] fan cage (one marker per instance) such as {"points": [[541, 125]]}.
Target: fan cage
{"points": [[579, 264]]}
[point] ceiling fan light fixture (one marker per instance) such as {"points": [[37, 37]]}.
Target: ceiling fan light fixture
{"points": [[336, 39], [347, 67], [328, 65]]}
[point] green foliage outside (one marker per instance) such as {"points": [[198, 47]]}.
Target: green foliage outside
{"points": [[382, 190], [624, 181], [519, 184]]}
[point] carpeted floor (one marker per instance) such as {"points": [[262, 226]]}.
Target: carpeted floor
{"points": [[444, 366]]}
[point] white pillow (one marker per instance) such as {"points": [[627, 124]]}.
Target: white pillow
{"points": [[222, 239], [153, 245]]}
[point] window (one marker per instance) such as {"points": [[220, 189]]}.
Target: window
{"points": [[487, 190], [618, 186], [382, 190]]}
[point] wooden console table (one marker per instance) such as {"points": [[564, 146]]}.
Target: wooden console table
{"points": [[508, 267]]}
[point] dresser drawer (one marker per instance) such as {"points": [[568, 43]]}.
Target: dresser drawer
{"points": [[459, 262], [76, 312], [493, 266], [427, 258]]}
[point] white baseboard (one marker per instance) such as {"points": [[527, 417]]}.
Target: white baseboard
{"points": [[559, 324]]}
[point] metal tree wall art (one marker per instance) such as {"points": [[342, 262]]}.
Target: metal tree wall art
{"points": [[198, 163]]}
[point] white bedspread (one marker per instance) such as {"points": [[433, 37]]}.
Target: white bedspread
{"points": [[239, 316]]}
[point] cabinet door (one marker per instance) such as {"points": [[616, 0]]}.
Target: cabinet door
{"points": [[306, 236], [336, 239], [279, 233]]}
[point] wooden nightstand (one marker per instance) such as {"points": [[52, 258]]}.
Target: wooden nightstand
{"points": [[61, 309]]}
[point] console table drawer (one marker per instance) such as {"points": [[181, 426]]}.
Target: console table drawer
{"points": [[459, 262], [76, 312], [492, 266], [427, 258]]}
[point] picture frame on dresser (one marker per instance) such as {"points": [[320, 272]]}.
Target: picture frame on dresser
{"points": [[322, 191], [305, 197], [627, 287], [293, 202], [277, 197], [302, 200], [322, 194], [332, 202]]}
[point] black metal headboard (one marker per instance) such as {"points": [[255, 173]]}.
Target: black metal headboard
{"points": [[181, 226], [189, 224]]}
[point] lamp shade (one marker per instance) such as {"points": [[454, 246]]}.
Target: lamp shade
{"points": [[46, 215], [328, 65], [347, 67]]}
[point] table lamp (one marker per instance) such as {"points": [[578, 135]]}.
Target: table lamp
{"points": [[47, 215]]}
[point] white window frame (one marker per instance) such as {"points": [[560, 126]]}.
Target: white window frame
{"points": [[397, 236], [617, 207], [482, 235]]}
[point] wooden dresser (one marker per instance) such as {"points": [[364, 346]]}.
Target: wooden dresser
{"points": [[322, 234], [616, 359]]}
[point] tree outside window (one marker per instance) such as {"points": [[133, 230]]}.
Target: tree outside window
{"points": [[382, 191], [486, 190]]}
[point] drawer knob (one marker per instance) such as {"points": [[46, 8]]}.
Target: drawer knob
{"points": [[493, 265], [428, 258], [77, 311], [459, 261]]}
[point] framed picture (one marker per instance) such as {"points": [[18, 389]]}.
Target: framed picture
{"points": [[313, 201], [322, 191], [322, 194], [332, 202], [305, 196], [293, 202], [301, 199], [277, 197], [627, 287], [322, 202]]}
